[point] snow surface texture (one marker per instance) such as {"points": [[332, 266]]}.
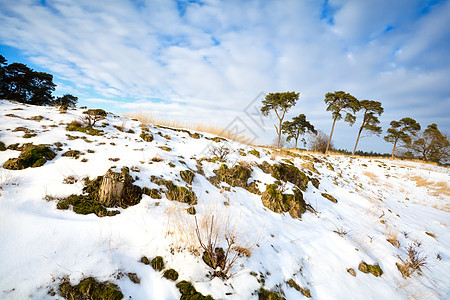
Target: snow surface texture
{"points": [[377, 199]]}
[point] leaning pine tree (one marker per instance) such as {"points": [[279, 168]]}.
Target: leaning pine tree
{"points": [[370, 120], [339, 102], [298, 126], [280, 103], [401, 131]]}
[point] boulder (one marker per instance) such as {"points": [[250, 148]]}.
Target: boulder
{"points": [[117, 189]]}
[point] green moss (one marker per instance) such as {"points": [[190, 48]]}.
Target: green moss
{"points": [[171, 274], [148, 137], [255, 153], [29, 135], [315, 182], [274, 199], [375, 270], [268, 295], [191, 210], [72, 153], [177, 193], [217, 139], [31, 156], [153, 193], [188, 292], [77, 126], [145, 260], [187, 176], [158, 263], [329, 197], [2, 146], [293, 284], [89, 288], [291, 173], [237, 176]]}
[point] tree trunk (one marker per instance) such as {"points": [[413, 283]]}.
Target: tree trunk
{"points": [[331, 135], [357, 139], [393, 149], [296, 140], [279, 134]]}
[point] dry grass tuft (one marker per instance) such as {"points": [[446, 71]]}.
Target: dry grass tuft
{"points": [[392, 237], [412, 263], [436, 188], [148, 118]]}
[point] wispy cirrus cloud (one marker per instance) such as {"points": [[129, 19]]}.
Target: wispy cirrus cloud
{"points": [[205, 60]]}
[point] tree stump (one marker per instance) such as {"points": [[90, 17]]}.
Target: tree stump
{"points": [[117, 189]]}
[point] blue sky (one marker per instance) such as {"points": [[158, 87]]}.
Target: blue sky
{"points": [[206, 61]]}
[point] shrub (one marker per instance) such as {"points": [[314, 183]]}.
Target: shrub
{"points": [[255, 153], [221, 152], [187, 176], [31, 156], [78, 126], [412, 263], [93, 116], [148, 137]]}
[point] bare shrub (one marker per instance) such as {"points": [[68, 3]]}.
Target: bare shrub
{"points": [[70, 179], [413, 262], [215, 234], [318, 141], [221, 152], [92, 116]]}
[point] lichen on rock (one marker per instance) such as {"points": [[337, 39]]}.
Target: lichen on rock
{"points": [[31, 156]]}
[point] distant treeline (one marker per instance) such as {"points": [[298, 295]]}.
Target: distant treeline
{"points": [[20, 83]]}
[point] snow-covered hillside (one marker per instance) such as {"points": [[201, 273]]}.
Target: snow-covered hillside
{"points": [[357, 210]]}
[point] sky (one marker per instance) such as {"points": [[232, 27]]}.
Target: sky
{"points": [[213, 61]]}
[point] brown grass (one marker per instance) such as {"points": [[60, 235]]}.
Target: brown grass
{"points": [[148, 118], [436, 188]]}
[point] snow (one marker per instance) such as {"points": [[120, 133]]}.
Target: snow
{"points": [[40, 244]]}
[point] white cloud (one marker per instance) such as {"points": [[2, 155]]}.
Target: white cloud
{"points": [[209, 60]]}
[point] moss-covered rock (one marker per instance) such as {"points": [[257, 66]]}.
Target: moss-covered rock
{"points": [[187, 176], [315, 182], [237, 176], [177, 193], [165, 148], [153, 193], [293, 284], [375, 270], [118, 190], [188, 292], [91, 289], [286, 172], [274, 199], [31, 156], [145, 260], [191, 210], [158, 263], [134, 278], [78, 126], [72, 153], [255, 153], [171, 274], [264, 294], [148, 137], [329, 197], [2, 146]]}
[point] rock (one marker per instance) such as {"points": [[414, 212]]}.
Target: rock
{"points": [[31, 156], [329, 197], [134, 278], [117, 189], [278, 202], [158, 263], [375, 270], [171, 274], [352, 272]]}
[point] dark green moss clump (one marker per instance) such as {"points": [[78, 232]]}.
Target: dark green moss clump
{"points": [[84, 205], [2, 146], [293, 284], [153, 193], [329, 197], [148, 137], [177, 193], [188, 292], [255, 153], [274, 199], [158, 263], [286, 172], [187, 176], [73, 153], [90, 289], [237, 176], [145, 260], [375, 270], [31, 156], [268, 295], [171, 274]]}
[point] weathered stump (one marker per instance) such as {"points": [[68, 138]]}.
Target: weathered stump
{"points": [[117, 189]]}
